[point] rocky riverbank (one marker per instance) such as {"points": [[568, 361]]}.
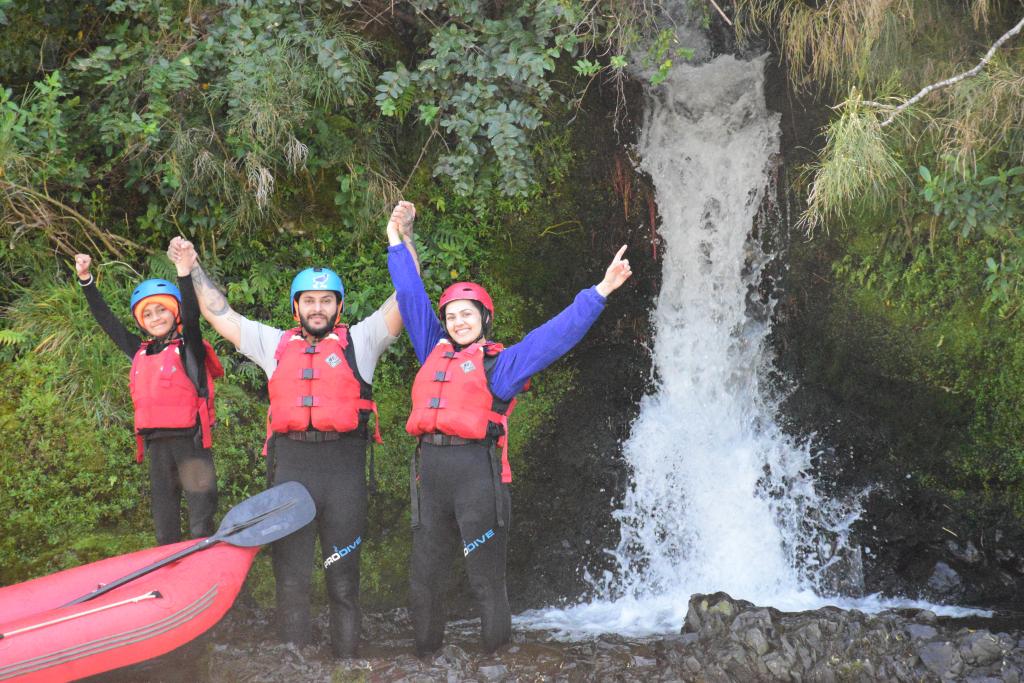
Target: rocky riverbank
{"points": [[722, 639]]}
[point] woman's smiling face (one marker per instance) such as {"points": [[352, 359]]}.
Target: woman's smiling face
{"points": [[462, 321]]}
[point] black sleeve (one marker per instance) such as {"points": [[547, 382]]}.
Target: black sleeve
{"points": [[126, 341], [195, 350]]}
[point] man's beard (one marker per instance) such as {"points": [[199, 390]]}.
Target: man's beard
{"points": [[315, 331]]}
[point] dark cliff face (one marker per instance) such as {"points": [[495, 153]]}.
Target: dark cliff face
{"points": [[877, 432], [575, 475]]}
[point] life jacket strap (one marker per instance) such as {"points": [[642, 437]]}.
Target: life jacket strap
{"points": [[204, 422], [366, 404], [492, 456], [414, 487]]}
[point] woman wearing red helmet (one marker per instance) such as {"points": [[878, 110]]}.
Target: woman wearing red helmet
{"points": [[461, 400]]}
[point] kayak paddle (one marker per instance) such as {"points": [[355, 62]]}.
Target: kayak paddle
{"points": [[261, 519]]}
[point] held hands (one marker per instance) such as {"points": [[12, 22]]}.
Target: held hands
{"points": [[617, 273], [183, 254], [400, 224], [82, 263]]}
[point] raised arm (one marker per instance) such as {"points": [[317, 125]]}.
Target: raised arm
{"points": [[212, 302], [547, 343], [413, 303], [399, 230], [119, 334]]}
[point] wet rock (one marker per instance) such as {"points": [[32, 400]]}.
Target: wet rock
{"points": [[945, 582], [754, 630], [731, 640], [942, 659], [965, 553], [495, 672], [980, 648], [921, 631]]}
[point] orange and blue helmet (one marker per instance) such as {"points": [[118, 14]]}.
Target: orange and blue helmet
{"points": [[160, 291]]}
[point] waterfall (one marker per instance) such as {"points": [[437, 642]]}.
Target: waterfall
{"points": [[720, 498]]}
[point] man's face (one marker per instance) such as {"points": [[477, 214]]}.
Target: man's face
{"points": [[318, 311]]}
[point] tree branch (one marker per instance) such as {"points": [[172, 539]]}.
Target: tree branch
{"points": [[949, 81], [725, 18], [8, 187]]}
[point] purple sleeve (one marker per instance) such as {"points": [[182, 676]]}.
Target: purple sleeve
{"points": [[546, 344], [413, 303]]}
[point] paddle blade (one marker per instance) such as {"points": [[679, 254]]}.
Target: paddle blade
{"points": [[268, 516]]}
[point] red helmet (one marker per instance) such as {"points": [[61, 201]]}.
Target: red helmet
{"points": [[466, 290]]}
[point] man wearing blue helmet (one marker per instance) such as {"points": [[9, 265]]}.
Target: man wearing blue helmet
{"points": [[319, 381], [171, 383]]}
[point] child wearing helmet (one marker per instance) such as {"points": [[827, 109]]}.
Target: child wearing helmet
{"points": [[461, 401], [171, 384]]}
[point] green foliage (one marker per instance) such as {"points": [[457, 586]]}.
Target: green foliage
{"points": [[923, 325], [487, 78], [249, 129], [987, 208], [857, 169]]}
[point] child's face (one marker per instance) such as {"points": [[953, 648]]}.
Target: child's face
{"points": [[156, 319]]}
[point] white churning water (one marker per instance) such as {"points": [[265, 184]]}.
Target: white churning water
{"points": [[721, 499]]}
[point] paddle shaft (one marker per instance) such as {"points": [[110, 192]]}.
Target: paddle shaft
{"points": [[221, 535], [117, 583]]}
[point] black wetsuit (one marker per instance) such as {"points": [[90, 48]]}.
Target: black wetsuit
{"points": [[457, 507], [334, 474], [178, 463]]}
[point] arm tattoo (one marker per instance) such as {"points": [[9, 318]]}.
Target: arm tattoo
{"points": [[389, 305], [215, 301]]}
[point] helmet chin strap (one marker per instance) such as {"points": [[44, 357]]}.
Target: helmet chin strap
{"points": [[459, 347], [170, 336]]}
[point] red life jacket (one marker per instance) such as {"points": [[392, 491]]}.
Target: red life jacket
{"points": [[318, 386], [451, 395], [165, 397]]}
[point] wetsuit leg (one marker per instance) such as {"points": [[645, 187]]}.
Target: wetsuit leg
{"points": [[333, 473], [485, 543], [432, 545], [341, 524], [165, 498], [198, 479], [293, 555]]}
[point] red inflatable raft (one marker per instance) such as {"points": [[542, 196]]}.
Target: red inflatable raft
{"points": [[147, 617]]}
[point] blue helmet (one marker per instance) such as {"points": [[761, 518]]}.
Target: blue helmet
{"points": [[168, 293], [311, 279]]}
